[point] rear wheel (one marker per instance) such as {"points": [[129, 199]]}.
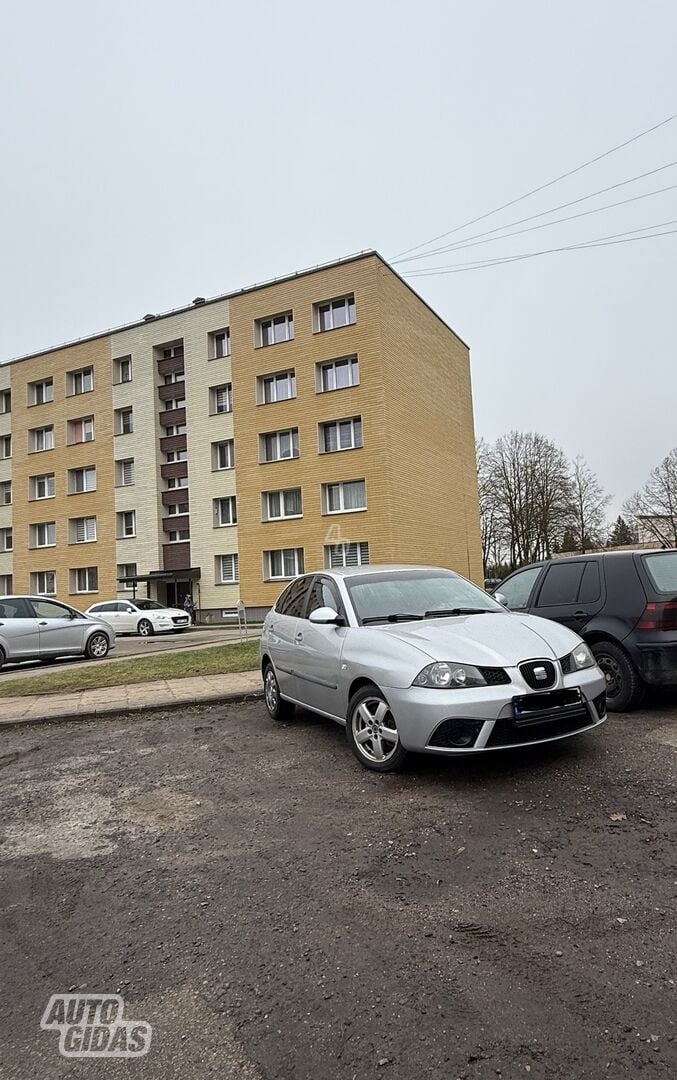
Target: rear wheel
{"points": [[278, 708], [3, 658], [145, 628], [372, 732], [624, 686], [98, 646]]}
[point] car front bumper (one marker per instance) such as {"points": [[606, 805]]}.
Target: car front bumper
{"points": [[475, 720]]}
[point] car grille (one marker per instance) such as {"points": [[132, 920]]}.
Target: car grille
{"points": [[565, 664], [180, 620], [532, 669], [494, 676], [507, 733]]}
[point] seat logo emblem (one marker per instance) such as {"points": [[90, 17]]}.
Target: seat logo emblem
{"points": [[540, 673]]}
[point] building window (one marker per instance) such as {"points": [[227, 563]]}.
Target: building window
{"points": [[42, 535], [276, 329], [124, 421], [171, 404], [221, 399], [6, 493], [175, 377], [283, 564], [126, 570], [338, 555], [84, 580], [5, 407], [343, 498], [7, 586], [82, 530], [173, 456], [227, 570], [41, 487], [80, 382], [177, 508], [173, 352], [126, 521], [282, 504], [6, 540], [177, 536], [219, 344], [225, 512], [278, 387], [334, 313], [81, 430], [43, 582], [337, 374], [81, 480], [5, 446], [39, 393], [175, 429], [177, 482], [341, 435], [223, 455], [41, 438], [124, 472], [122, 370], [278, 445]]}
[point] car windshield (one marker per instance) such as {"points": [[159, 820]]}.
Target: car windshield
{"points": [[662, 569], [148, 605], [416, 594]]}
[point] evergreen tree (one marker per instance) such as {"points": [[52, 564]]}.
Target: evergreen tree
{"points": [[622, 534]]}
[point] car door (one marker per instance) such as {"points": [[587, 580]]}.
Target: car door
{"points": [[318, 651], [570, 593], [282, 629], [19, 634], [517, 590], [61, 631], [122, 617]]}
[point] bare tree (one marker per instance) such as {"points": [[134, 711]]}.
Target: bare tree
{"points": [[656, 503], [492, 517], [588, 507]]}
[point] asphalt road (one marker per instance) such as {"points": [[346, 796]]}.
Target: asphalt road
{"points": [[274, 911]]}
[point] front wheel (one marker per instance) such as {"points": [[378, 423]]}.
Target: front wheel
{"points": [[145, 628], [372, 732], [278, 708], [98, 646], [624, 686]]}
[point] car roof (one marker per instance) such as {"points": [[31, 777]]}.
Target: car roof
{"points": [[383, 568]]}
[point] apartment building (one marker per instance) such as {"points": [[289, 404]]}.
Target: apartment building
{"points": [[319, 420]]}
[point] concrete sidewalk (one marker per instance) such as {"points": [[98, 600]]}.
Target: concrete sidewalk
{"points": [[133, 697]]}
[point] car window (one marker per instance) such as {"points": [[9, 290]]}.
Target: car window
{"points": [[322, 594], [48, 609], [591, 588], [293, 598], [15, 609], [517, 589], [149, 605], [662, 569], [102, 607], [561, 584]]}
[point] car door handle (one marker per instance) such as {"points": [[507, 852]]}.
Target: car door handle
{"points": [[580, 614], [298, 639], [43, 622]]}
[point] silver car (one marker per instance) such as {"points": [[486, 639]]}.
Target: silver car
{"points": [[38, 628], [419, 659]]}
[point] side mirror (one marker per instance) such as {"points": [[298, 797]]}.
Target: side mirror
{"points": [[325, 616], [501, 598]]}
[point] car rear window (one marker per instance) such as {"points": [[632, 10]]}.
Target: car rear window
{"points": [[662, 570]]}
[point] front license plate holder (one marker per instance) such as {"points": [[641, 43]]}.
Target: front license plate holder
{"points": [[548, 705]]}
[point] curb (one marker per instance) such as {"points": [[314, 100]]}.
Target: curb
{"points": [[229, 698]]}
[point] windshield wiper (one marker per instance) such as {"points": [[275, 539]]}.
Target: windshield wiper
{"points": [[440, 613], [399, 616]]}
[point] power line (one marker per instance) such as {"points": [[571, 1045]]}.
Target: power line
{"points": [[535, 190], [462, 245], [457, 268], [543, 213]]}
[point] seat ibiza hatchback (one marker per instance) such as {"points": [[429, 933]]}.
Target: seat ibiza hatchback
{"points": [[420, 659]]}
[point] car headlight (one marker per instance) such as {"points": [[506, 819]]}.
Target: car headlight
{"points": [[449, 676], [581, 658]]}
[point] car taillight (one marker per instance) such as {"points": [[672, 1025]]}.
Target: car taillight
{"points": [[662, 616]]}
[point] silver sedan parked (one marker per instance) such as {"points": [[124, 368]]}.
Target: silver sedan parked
{"points": [[38, 628], [420, 659]]}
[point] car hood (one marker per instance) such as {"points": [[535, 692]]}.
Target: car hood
{"points": [[491, 640], [165, 613]]}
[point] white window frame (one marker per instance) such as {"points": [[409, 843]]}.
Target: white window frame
{"points": [[219, 344], [219, 395], [90, 586], [41, 434], [5, 407], [175, 536], [125, 570], [229, 502], [124, 467], [337, 303], [120, 416], [330, 367], [352, 420], [228, 445], [85, 470], [76, 381], [6, 585], [359, 545], [85, 424], [47, 480], [172, 456], [267, 327], [342, 508], [36, 575], [293, 434], [175, 429], [234, 577], [123, 526], [5, 447], [269, 386], [174, 482], [86, 525], [173, 510], [6, 490], [46, 529], [6, 535], [295, 563], [175, 377], [45, 385], [122, 365], [269, 497]]}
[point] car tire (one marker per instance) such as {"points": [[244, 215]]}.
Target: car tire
{"points": [[624, 686], [3, 658], [368, 717], [145, 628], [98, 646], [278, 708]]}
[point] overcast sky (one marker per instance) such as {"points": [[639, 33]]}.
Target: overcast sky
{"points": [[158, 150]]}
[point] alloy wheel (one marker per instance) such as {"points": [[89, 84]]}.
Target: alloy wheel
{"points": [[98, 646], [374, 730], [271, 692]]}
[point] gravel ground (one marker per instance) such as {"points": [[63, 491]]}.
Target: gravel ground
{"points": [[274, 911]]}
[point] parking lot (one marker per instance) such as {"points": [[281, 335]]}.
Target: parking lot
{"points": [[274, 911]]}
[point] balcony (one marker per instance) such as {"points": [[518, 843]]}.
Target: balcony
{"points": [[172, 416], [176, 556], [178, 522], [173, 442], [172, 390], [176, 495], [169, 366], [174, 468]]}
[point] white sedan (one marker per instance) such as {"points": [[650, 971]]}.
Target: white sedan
{"points": [[144, 617]]}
